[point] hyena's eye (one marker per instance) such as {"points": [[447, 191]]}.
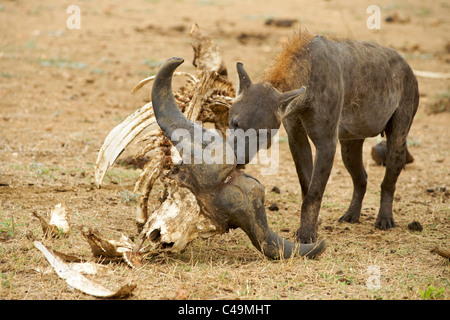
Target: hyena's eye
{"points": [[234, 123]]}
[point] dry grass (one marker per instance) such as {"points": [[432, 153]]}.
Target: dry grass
{"points": [[227, 266], [53, 119]]}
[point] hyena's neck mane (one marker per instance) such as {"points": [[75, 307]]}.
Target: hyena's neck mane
{"points": [[291, 68]]}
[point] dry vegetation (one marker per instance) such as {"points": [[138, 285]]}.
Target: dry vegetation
{"points": [[62, 91]]}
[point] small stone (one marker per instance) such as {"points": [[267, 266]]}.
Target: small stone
{"points": [[274, 207], [275, 189], [415, 226]]}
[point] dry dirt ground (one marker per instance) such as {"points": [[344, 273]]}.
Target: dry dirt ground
{"points": [[63, 90]]}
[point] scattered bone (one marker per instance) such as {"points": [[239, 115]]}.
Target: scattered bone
{"points": [[90, 268], [107, 249], [59, 222], [48, 230], [76, 280], [60, 219]]}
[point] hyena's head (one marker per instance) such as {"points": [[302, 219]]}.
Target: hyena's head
{"points": [[258, 108]]}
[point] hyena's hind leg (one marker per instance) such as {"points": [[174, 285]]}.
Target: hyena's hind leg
{"points": [[395, 161], [352, 157], [397, 130], [396, 135]]}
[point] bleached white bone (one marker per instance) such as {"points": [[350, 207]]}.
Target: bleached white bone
{"points": [[121, 136], [178, 221], [76, 280]]}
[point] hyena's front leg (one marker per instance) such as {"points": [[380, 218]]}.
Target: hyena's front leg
{"points": [[307, 233], [301, 152]]}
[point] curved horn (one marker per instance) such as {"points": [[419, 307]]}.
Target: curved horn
{"points": [[167, 113], [189, 137], [244, 79], [276, 247], [272, 245]]}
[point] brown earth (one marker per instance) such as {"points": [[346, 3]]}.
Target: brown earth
{"points": [[62, 91]]}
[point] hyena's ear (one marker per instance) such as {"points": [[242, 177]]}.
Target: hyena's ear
{"points": [[244, 79], [286, 98]]}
